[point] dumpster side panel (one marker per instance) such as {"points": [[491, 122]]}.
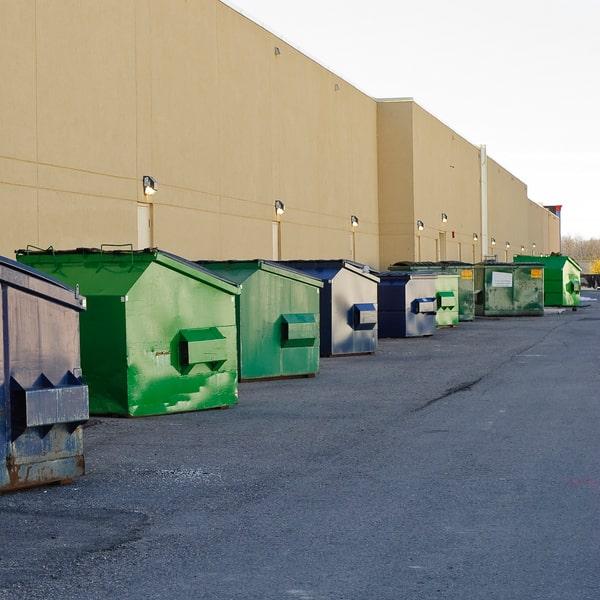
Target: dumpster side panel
{"points": [[528, 291], [571, 285], [498, 290], [466, 293], [162, 309], [40, 341], [104, 354], [265, 299], [406, 306], [448, 300], [349, 290], [555, 291], [391, 302], [325, 310], [4, 415]]}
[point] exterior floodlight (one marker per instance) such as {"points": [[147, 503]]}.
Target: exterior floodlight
{"points": [[150, 185], [475, 237], [493, 241], [420, 225], [522, 248], [279, 207], [507, 245], [444, 218], [534, 246], [354, 221]]}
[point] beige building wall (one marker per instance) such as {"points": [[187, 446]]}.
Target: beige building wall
{"points": [[398, 240], [228, 118], [508, 212], [446, 181], [195, 95], [427, 170]]}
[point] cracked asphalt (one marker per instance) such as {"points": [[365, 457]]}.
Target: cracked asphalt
{"points": [[462, 466]]}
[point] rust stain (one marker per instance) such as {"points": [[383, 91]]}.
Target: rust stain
{"points": [[43, 476]]}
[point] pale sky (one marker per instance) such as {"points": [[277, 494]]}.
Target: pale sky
{"points": [[521, 76]]}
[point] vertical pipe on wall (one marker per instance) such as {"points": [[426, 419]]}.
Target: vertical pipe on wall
{"points": [[484, 200]]}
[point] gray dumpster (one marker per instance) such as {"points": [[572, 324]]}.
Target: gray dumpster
{"points": [[43, 400], [348, 305], [407, 304]]}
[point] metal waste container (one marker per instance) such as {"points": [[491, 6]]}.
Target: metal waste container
{"points": [[407, 304], [159, 335], [348, 305], [278, 318], [466, 287], [447, 296], [43, 399], [562, 279], [509, 289]]}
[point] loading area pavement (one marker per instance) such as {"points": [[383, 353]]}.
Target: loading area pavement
{"points": [[465, 465]]}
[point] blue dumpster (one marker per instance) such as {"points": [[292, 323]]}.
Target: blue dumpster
{"points": [[348, 305], [407, 304], [43, 399]]}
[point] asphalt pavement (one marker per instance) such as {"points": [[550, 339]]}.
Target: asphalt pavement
{"points": [[462, 466]]}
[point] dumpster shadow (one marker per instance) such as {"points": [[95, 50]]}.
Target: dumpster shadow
{"points": [[60, 536]]}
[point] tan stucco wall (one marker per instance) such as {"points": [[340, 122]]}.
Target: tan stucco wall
{"points": [[98, 94], [395, 168], [446, 180], [193, 94]]}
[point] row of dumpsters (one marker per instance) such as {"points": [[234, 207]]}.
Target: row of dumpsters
{"points": [[137, 333]]}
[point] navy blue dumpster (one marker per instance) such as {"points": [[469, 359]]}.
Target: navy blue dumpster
{"points": [[43, 400], [348, 305], [407, 304]]}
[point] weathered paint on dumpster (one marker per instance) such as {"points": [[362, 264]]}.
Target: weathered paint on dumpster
{"points": [[466, 287], [348, 305], [43, 399], [278, 326], [509, 289], [562, 279], [159, 335], [407, 304]]}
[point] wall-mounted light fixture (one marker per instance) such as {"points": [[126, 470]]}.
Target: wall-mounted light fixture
{"points": [[279, 207], [493, 241], [420, 225], [444, 218], [475, 237], [522, 248], [277, 51], [354, 221], [150, 185], [336, 87], [507, 245], [534, 246]]}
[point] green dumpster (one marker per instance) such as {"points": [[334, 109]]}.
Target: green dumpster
{"points": [[159, 335], [509, 289], [466, 287], [278, 318], [447, 290], [562, 279]]}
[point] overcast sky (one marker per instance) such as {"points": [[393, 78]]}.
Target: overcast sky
{"points": [[522, 76]]}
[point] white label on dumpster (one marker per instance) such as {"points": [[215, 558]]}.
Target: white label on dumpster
{"points": [[501, 279]]}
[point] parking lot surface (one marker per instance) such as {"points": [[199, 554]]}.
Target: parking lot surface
{"points": [[460, 466]]}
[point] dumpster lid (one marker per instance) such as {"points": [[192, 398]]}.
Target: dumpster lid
{"points": [[54, 290], [248, 267], [405, 275], [493, 263], [196, 271], [455, 263], [547, 259], [327, 269], [171, 261]]}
